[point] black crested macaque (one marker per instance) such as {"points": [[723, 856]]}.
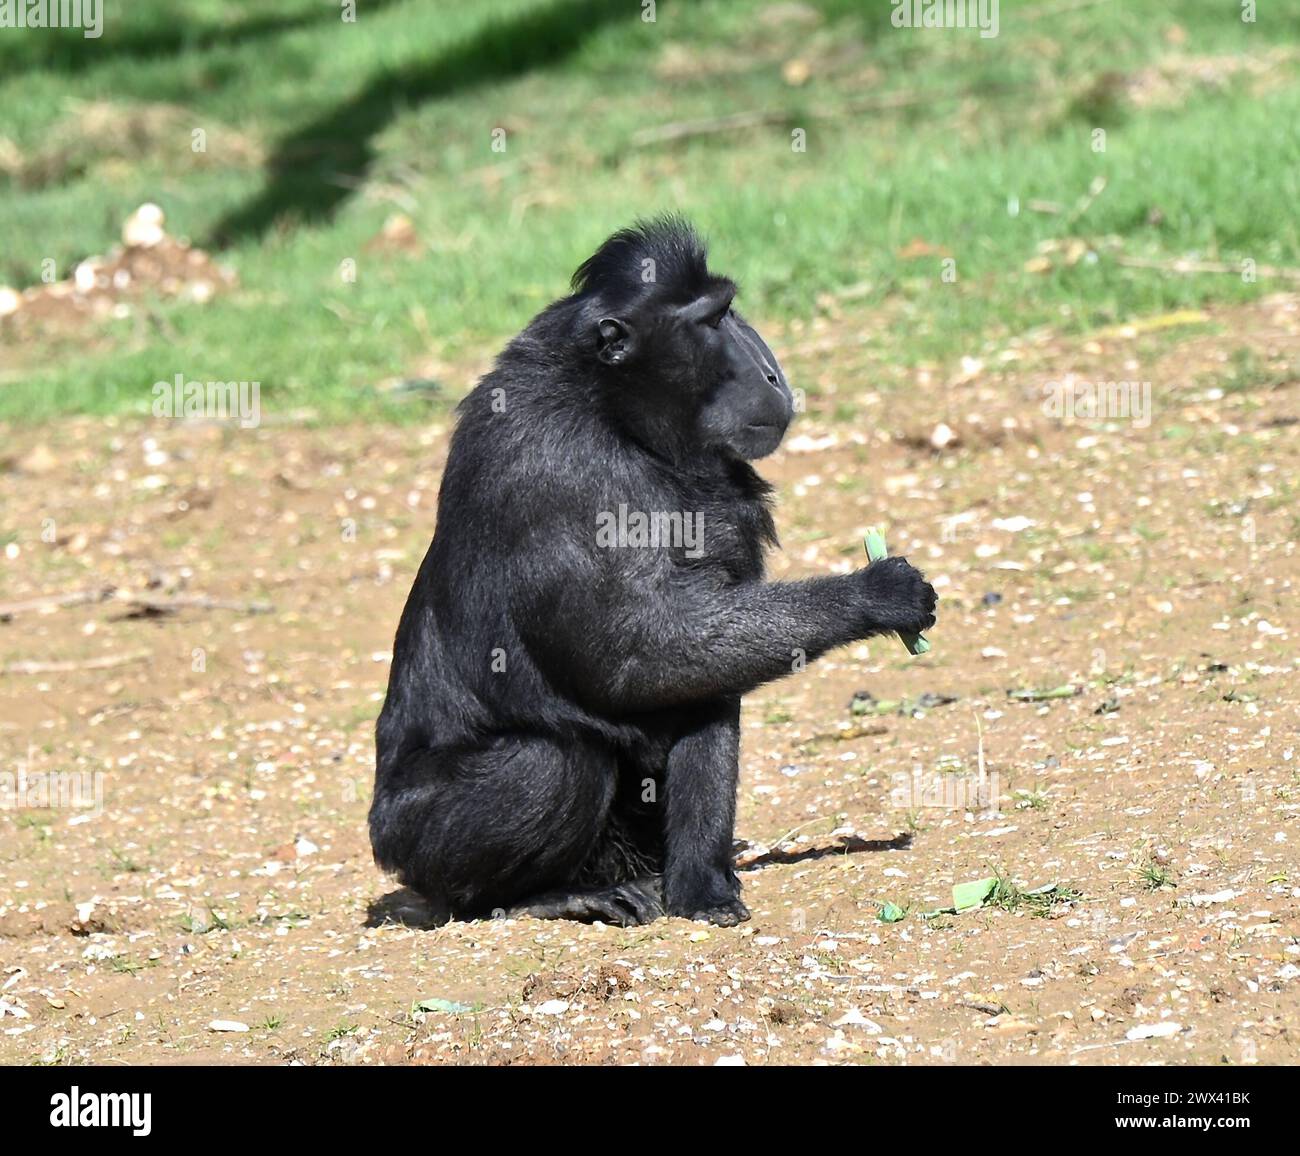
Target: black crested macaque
{"points": [[560, 735]]}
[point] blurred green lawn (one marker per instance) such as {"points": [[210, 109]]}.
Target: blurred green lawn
{"points": [[396, 113]]}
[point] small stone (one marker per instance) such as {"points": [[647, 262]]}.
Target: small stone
{"points": [[83, 276], [144, 228], [854, 1018], [795, 72], [1008, 1026], [1013, 525], [942, 436], [1159, 1031], [38, 460]]}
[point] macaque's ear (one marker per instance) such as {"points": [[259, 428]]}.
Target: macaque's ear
{"points": [[614, 343]]}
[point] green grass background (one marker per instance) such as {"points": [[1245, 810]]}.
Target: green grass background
{"points": [[396, 113]]}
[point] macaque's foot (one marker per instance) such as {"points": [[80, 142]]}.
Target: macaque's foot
{"points": [[708, 897], [624, 904], [726, 914]]}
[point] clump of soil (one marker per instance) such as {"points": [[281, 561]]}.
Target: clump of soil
{"points": [[149, 264]]}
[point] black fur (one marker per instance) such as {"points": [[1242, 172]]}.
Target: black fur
{"points": [[561, 730]]}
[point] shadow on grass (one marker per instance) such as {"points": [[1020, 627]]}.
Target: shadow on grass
{"points": [[312, 171]]}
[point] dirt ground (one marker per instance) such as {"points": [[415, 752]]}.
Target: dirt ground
{"points": [[220, 903]]}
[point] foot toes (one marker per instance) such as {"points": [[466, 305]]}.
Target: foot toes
{"points": [[623, 904], [642, 899], [608, 908], [724, 915]]}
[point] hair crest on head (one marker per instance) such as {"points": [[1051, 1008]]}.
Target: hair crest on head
{"points": [[664, 251]]}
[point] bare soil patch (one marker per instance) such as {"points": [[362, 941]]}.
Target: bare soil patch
{"points": [[228, 878]]}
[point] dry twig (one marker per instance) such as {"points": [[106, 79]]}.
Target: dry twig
{"points": [[102, 662]]}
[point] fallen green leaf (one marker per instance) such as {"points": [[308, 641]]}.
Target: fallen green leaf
{"points": [[443, 1005], [966, 896], [1031, 695], [891, 913]]}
